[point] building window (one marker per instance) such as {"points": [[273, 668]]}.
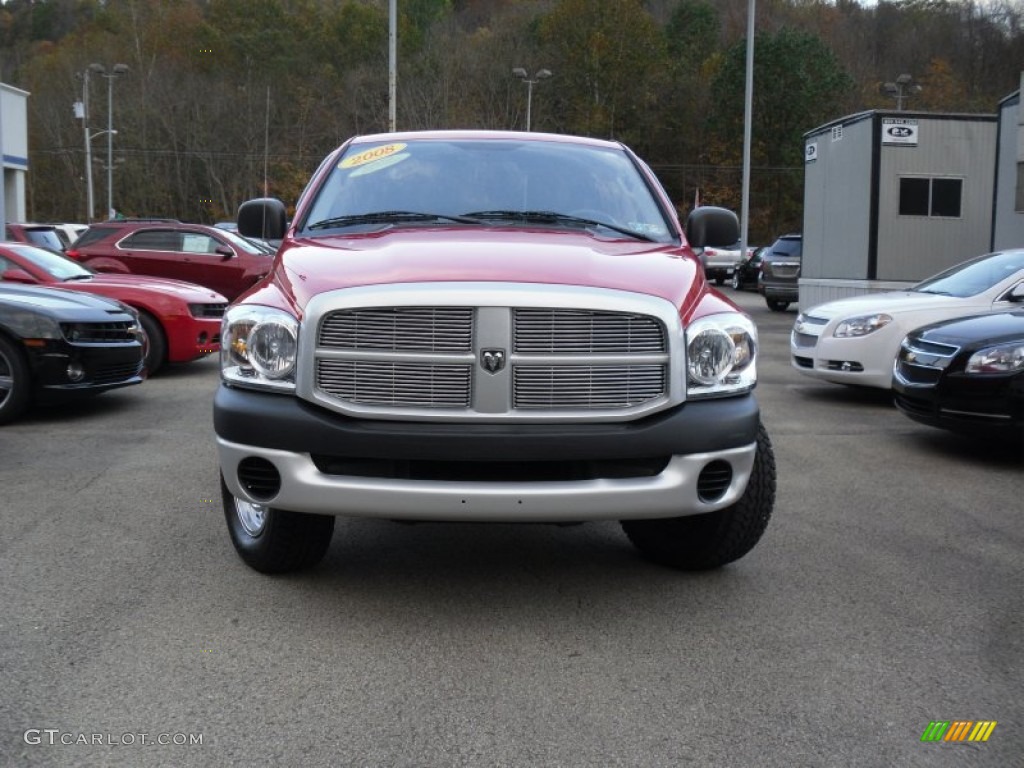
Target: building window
{"points": [[921, 196], [1019, 207]]}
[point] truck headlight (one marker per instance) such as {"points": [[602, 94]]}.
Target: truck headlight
{"points": [[861, 325], [1005, 358], [721, 355], [259, 347]]}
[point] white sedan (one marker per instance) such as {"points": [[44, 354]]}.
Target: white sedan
{"points": [[855, 340]]}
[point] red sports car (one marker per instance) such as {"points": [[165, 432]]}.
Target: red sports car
{"points": [[182, 320]]}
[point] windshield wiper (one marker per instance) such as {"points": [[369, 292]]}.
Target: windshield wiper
{"points": [[387, 217], [553, 217], [78, 277]]}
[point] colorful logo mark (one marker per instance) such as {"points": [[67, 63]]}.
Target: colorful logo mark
{"points": [[958, 730]]}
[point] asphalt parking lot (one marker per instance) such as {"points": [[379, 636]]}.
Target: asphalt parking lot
{"points": [[886, 594]]}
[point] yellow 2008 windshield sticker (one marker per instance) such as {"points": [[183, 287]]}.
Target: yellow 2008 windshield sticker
{"points": [[371, 155]]}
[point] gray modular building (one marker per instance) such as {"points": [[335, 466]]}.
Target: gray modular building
{"points": [[1008, 222], [891, 197]]}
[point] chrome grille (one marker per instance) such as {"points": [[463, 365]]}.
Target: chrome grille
{"points": [[408, 385], [492, 352], [804, 340], [921, 363], [399, 329], [568, 331], [917, 374], [586, 386]]}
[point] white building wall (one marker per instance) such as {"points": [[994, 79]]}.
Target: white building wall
{"points": [[14, 151]]}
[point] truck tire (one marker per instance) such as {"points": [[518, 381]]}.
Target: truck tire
{"points": [[703, 542], [275, 540], [777, 306], [15, 381]]}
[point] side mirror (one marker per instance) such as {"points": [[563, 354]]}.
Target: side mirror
{"points": [[1017, 293], [265, 218], [15, 275], [224, 251], [708, 225]]}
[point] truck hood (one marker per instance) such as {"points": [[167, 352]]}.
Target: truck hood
{"points": [[310, 267]]}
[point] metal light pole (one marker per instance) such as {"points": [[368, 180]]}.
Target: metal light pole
{"points": [[542, 74], [116, 71], [84, 115], [748, 125], [392, 64], [903, 88]]}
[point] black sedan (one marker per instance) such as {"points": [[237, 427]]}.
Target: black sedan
{"points": [[57, 344], [965, 375], [746, 273]]}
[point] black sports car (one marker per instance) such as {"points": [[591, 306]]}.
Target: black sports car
{"points": [[965, 375], [56, 344]]}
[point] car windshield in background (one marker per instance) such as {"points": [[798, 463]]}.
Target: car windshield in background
{"points": [[45, 238], [241, 242], [501, 183], [787, 246], [57, 266], [974, 276]]}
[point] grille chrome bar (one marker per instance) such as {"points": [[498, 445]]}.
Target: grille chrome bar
{"points": [[412, 329], [574, 331], [586, 386], [396, 384]]}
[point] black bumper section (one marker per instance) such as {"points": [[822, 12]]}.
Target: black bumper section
{"points": [[287, 423]]}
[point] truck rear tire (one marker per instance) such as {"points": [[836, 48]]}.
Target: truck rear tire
{"points": [[703, 542], [275, 540]]}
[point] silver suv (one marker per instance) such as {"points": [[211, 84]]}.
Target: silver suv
{"points": [[780, 272]]}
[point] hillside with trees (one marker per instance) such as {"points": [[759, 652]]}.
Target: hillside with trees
{"points": [[229, 99]]}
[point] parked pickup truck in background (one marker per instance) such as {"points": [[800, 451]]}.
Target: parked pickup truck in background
{"points": [[489, 326]]}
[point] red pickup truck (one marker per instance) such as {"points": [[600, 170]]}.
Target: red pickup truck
{"points": [[489, 326]]}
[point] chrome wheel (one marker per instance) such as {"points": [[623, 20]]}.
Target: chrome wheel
{"points": [[6, 379], [253, 517], [15, 381]]}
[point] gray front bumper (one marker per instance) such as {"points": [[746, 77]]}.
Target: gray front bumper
{"points": [[672, 493]]}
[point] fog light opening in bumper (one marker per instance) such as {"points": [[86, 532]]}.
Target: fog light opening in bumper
{"points": [[259, 478], [75, 372], [714, 480], [846, 366]]}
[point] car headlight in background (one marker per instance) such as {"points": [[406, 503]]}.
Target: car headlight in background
{"points": [[259, 347], [721, 354], [1005, 358], [861, 325]]}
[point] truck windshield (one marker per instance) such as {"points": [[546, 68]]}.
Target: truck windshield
{"points": [[458, 182]]}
